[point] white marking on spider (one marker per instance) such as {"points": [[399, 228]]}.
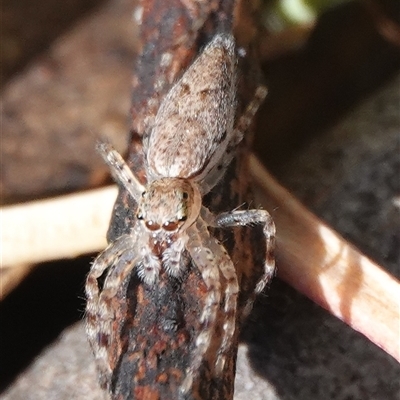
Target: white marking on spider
{"points": [[189, 147]]}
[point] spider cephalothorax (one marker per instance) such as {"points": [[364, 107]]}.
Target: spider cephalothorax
{"points": [[169, 204], [166, 209]]}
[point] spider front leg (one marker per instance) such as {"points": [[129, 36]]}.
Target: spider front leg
{"points": [[99, 316], [120, 170], [249, 218]]}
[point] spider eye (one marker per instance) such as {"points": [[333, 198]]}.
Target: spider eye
{"points": [[152, 226], [170, 225], [185, 195], [183, 218], [139, 216]]}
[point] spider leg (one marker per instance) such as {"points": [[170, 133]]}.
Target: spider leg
{"points": [[249, 218], [97, 330], [218, 171], [228, 270], [247, 117], [120, 170], [205, 261]]}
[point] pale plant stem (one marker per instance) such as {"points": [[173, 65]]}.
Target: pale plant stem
{"points": [[311, 256]]}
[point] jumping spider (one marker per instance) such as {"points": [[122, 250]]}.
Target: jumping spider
{"points": [[191, 143]]}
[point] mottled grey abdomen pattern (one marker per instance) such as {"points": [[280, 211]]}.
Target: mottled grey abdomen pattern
{"points": [[195, 120]]}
